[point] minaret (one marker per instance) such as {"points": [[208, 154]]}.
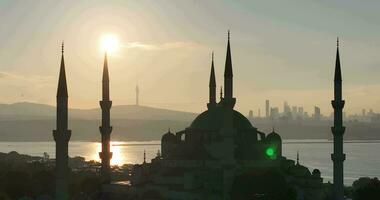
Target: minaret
{"points": [[137, 95], [212, 85], [221, 93], [338, 130], [229, 101], [145, 156], [298, 158], [62, 136], [106, 128]]}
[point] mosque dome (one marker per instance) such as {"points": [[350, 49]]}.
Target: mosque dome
{"points": [[213, 119], [168, 137], [300, 171], [273, 137], [316, 173]]}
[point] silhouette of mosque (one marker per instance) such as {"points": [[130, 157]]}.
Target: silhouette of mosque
{"points": [[221, 155]]}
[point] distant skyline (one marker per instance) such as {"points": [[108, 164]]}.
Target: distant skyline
{"points": [[281, 51]]}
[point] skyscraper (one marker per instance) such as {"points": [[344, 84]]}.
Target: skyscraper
{"points": [[267, 108], [250, 115], [62, 136], [301, 112], [137, 95], [259, 113], [105, 128], [317, 113], [338, 130]]}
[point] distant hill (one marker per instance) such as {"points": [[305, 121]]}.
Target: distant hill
{"points": [[26, 110], [35, 122]]}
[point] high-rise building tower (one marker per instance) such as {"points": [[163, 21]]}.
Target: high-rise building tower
{"points": [[338, 130], [62, 136], [317, 113], [106, 128], [259, 113], [137, 95], [212, 85], [267, 109], [250, 115]]}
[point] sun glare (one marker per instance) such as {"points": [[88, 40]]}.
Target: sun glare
{"points": [[110, 43], [117, 154]]}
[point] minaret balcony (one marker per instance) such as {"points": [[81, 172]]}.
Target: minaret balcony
{"points": [[338, 130], [62, 135], [338, 104], [105, 104], [105, 130], [105, 155], [338, 157]]}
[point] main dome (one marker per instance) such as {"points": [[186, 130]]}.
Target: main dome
{"points": [[212, 119]]}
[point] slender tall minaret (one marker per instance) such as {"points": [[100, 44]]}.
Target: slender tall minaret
{"points": [[221, 93], [229, 101], [137, 95], [106, 128], [62, 136], [298, 158], [145, 155], [212, 85], [338, 130]]}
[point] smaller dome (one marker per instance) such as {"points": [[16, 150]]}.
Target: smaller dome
{"points": [[316, 173], [273, 136], [168, 137], [300, 171]]}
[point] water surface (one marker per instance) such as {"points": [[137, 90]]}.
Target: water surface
{"points": [[363, 157]]}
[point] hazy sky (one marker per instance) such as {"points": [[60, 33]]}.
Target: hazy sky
{"points": [[281, 50]]}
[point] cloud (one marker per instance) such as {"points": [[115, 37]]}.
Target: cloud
{"points": [[3, 75], [163, 46], [29, 78]]}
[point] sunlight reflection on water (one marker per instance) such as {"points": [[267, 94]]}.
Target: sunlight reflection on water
{"points": [[362, 158]]}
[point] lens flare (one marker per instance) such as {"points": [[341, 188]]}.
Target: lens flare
{"points": [[270, 152]]}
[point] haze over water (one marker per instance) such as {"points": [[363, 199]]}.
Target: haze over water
{"points": [[363, 159]]}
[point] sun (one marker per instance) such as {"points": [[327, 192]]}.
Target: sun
{"points": [[109, 42]]}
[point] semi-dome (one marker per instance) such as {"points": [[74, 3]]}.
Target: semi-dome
{"points": [[273, 136], [300, 170], [316, 173], [168, 137], [213, 119]]}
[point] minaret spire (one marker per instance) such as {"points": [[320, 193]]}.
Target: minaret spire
{"points": [[62, 135], [229, 101], [338, 130], [62, 85], [105, 128], [298, 158], [144, 156], [338, 73], [105, 79], [212, 85]]}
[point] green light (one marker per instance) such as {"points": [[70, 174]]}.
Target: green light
{"points": [[270, 152]]}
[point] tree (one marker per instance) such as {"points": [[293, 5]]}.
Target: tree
{"points": [[366, 189], [269, 186]]}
